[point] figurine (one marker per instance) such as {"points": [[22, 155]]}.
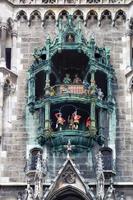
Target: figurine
{"points": [[67, 79], [60, 121], [52, 91], [88, 122], [76, 119], [77, 80], [86, 86], [71, 122], [93, 88], [100, 94], [70, 38]]}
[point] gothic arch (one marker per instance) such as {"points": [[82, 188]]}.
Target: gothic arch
{"points": [[63, 14], [49, 14], [120, 16], [131, 84], [35, 14], [69, 191], [78, 14], [106, 15], [92, 17], [21, 15]]}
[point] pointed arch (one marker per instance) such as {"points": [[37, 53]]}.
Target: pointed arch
{"points": [[131, 84], [35, 14], [69, 190], [49, 15], [21, 15], [92, 14], [78, 14], [106, 14], [63, 14], [120, 14]]}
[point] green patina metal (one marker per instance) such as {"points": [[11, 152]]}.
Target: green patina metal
{"points": [[70, 38]]}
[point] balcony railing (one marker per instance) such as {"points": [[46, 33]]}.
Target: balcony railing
{"points": [[74, 89]]}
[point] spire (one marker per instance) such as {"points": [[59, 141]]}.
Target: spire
{"points": [[29, 192], [110, 190], [38, 193], [99, 177], [69, 149]]}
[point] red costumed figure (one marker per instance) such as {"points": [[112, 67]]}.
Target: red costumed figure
{"points": [[60, 121], [76, 119], [88, 122]]}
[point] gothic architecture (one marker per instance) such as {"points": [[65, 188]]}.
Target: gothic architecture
{"points": [[66, 99]]}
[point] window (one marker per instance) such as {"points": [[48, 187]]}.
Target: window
{"points": [[8, 58]]}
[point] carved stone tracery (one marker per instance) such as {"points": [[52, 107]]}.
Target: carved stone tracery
{"points": [[69, 176]]}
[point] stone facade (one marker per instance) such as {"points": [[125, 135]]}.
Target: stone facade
{"points": [[24, 26]]}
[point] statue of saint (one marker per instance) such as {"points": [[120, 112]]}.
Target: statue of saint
{"points": [[60, 121]]}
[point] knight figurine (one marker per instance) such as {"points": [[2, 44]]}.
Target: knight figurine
{"points": [[76, 119], [60, 121]]}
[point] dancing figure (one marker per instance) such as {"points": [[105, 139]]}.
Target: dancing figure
{"points": [[77, 80], [71, 122], [93, 89], [86, 86], [76, 119], [100, 94], [60, 121], [67, 79], [88, 122]]}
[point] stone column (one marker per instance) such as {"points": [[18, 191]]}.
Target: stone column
{"points": [[93, 105], [3, 44], [47, 115], [47, 84], [1, 103], [31, 88], [14, 52], [109, 85]]}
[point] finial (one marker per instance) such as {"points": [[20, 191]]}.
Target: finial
{"points": [[93, 35], [69, 149]]}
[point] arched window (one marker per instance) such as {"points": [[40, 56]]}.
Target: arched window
{"points": [[21, 15]]}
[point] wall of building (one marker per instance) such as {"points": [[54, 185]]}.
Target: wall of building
{"points": [[18, 134]]}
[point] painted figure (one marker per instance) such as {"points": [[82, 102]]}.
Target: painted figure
{"points": [[88, 122], [71, 122], [60, 121], [67, 79], [93, 89], [76, 119], [100, 94], [77, 80], [86, 86]]}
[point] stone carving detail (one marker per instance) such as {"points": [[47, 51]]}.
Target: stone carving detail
{"points": [[100, 177], [69, 176]]}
